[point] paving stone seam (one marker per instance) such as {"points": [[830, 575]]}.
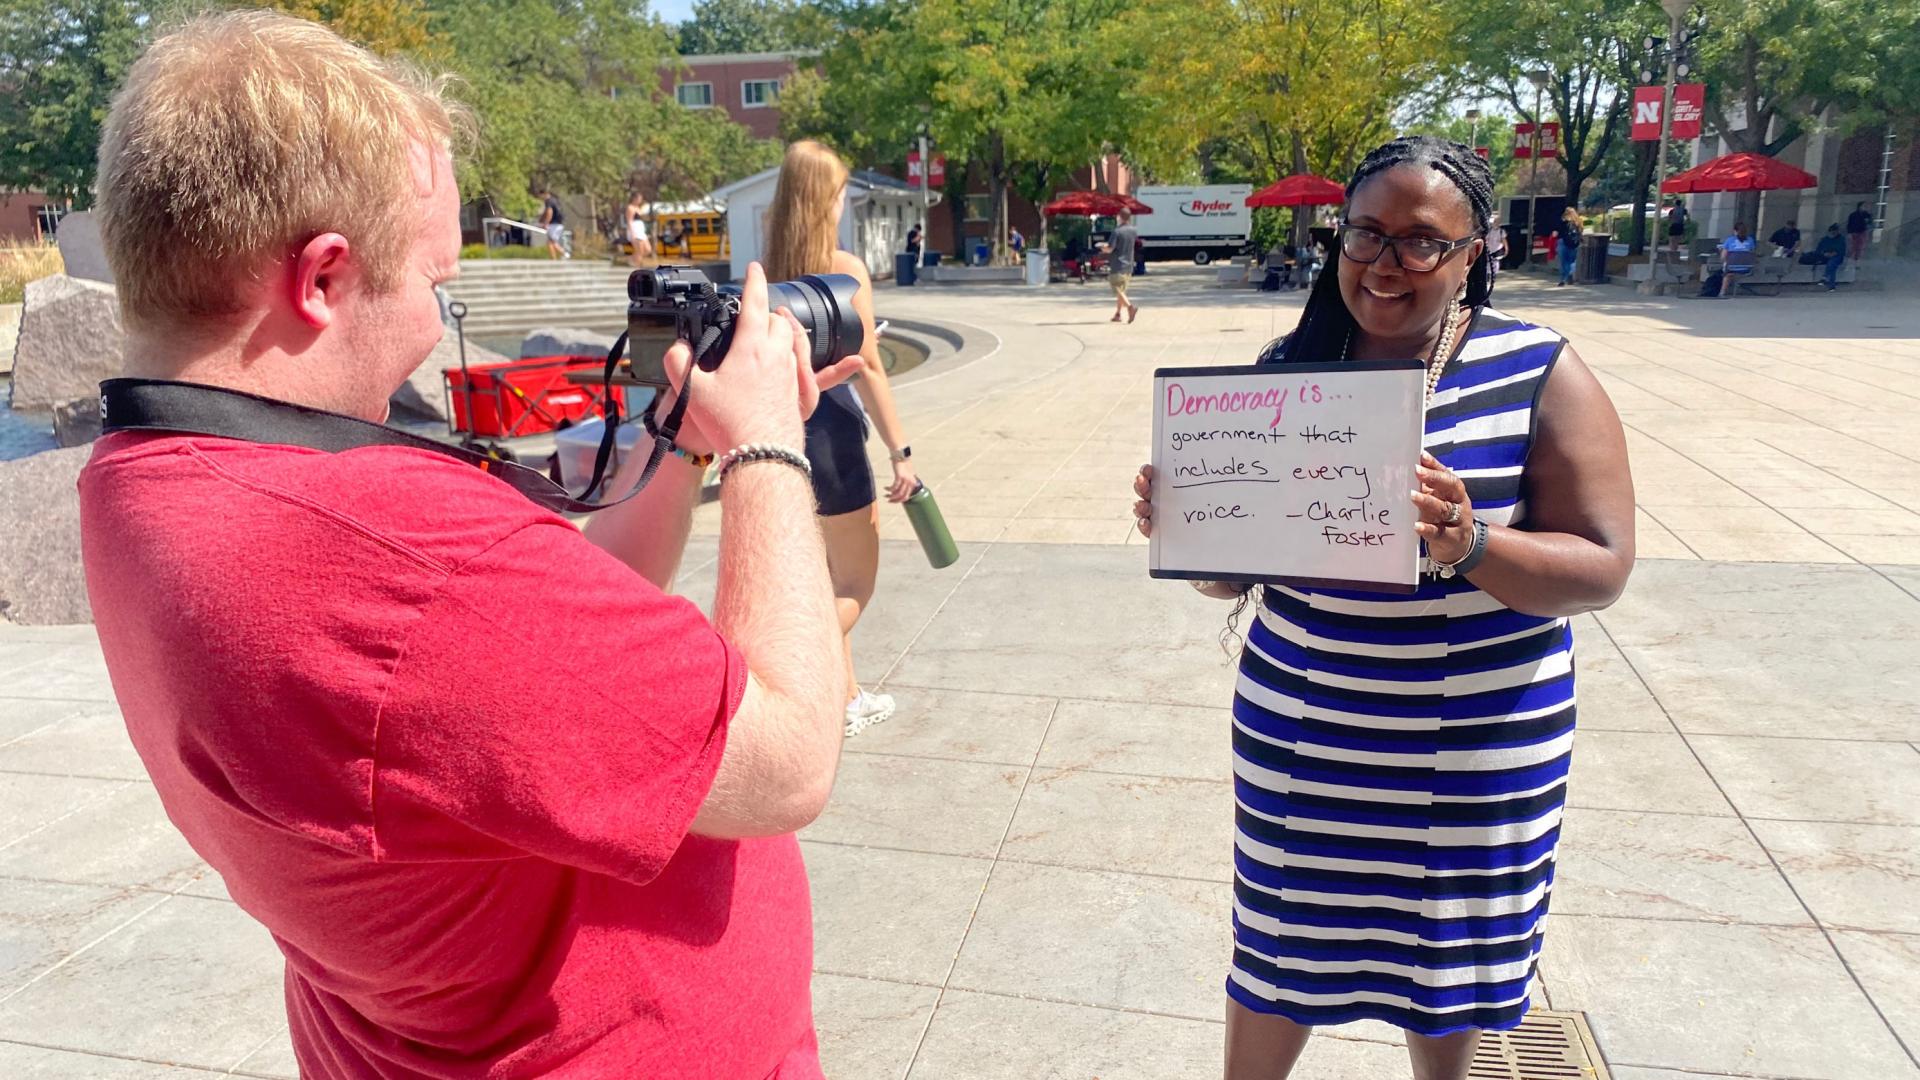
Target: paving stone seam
{"points": [[118, 786], [1022, 861], [1058, 770], [1716, 474], [974, 913], [1716, 1074], [1785, 878], [1830, 472], [116, 1057], [77, 953], [69, 775], [261, 1045]]}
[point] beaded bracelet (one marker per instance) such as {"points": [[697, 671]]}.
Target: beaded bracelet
{"points": [[740, 455]]}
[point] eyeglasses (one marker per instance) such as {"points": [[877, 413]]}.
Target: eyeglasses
{"points": [[1419, 254]]}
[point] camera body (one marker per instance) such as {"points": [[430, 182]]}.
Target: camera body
{"points": [[679, 303]]}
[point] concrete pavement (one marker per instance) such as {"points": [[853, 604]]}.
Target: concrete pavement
{"points": [[1025, 873]]}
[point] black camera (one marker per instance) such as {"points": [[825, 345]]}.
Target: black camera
{"points": [[678, 303]]}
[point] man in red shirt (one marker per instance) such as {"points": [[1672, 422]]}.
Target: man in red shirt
{"points": [[507, 807]]}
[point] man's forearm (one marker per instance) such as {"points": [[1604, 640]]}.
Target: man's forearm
{"points": [[775, 599], [649, 531]]}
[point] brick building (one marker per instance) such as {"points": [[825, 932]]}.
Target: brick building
{"points": [[745, 85], [27, 217]]}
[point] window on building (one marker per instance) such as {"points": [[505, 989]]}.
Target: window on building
{"points": [[695, 95], [759, 93], [979, 207], [48, 218]]}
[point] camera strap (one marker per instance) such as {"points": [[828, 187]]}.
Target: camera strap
{"points": [[183, 408]]}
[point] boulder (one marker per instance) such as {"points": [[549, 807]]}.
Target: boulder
{"points": [[562, 341], [70, 339], [80, 248], [424, 394], [41, 582]]}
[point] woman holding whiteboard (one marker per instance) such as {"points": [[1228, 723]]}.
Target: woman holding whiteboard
{"points": [[1400, 761]]}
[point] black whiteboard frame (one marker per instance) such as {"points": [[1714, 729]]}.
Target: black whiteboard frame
{"points": [[1303, 367]]}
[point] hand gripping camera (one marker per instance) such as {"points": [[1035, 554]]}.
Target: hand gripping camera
{"points": [[678, 303]]}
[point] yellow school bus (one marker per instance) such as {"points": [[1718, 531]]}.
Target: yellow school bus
{"points": [[694, 232]]}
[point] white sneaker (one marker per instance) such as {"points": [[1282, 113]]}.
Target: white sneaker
{"points": [[867, 709]]}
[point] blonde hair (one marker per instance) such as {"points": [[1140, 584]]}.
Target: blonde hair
{"points": [[238, 137], [800, 233]]}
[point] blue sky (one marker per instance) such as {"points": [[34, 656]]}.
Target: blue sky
{"points": [[673, 10]]}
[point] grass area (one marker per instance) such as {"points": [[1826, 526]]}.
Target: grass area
{"points": [[21, 263], [508, 251]]}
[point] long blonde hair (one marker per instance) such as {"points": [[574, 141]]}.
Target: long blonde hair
{"points": [[800, 232]]}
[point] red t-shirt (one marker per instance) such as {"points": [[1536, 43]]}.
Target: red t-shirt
{"points": [[448, 752]]}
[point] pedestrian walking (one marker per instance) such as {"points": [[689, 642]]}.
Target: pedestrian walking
{"points": [[1017, 244], [1567, 230], [572, 857], [1859, 228], [1400, 761], [554, 220], [1831, 252], [803, 225], [913, 242], [1119, 248], [1677, 217], [641, 248]]}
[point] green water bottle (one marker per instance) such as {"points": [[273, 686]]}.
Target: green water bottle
{"points": [[931, 527]]}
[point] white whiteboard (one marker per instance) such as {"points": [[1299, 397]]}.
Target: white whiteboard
{"points": [[1288, 473]]}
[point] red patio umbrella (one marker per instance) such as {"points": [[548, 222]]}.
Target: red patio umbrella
{"points": [[1304, 189], [1093, 204], [1740, 172]]}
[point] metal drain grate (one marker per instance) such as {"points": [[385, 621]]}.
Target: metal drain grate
{"points": [[1546, 1046]]}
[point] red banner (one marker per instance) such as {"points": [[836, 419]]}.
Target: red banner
{"points": [[938, 178], [1485, 152], [1689, 101], [1548, 140]]}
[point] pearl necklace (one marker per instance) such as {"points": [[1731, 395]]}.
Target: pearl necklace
{"points": [[1442, 349]]}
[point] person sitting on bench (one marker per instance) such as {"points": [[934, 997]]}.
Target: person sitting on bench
{"points": [[1831, 251], [1736, 259]]}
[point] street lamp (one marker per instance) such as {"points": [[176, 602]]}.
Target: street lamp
{"points": [[1676, 10], [1473, 117], [1539, 79]]}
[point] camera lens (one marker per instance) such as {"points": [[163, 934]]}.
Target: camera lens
{"points": [[824, 305]]}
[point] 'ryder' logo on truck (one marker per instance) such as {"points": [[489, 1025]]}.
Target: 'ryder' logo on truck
{"points": [[1206, 207]]}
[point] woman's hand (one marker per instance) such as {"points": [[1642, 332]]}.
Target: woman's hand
{"points": [[1446, 514], [904, 482], [1143, 506]]}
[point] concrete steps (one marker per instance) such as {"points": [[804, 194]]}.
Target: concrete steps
{"points": [[506, 297]]}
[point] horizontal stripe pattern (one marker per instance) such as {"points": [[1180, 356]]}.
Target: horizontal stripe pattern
{"points": [[1400, 762]]}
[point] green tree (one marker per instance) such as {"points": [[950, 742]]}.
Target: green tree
{"points": [[388, 27], [1024, 91], [1276, 87], [1588, 51], [739, 26], [1776, 69], [60, 62]]}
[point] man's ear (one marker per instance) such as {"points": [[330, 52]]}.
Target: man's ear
{"points": [[321, 274]]}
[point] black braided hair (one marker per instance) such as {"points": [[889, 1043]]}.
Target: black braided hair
{"points": [[1325, 324]]}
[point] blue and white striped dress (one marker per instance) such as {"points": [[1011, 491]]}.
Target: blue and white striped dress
{"points": [[1400, 762]]}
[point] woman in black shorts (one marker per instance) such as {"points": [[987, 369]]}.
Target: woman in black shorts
{"points": [[803, 225]]}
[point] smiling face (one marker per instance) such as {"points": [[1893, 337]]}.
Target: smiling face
{"points": [[1388, 301]]}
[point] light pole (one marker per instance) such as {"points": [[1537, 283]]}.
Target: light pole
{"points": [[1539, 81], [1473, 117], [1676, 10]]}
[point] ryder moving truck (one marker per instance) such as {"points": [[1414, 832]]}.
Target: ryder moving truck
{"points": [[1198, 223]]}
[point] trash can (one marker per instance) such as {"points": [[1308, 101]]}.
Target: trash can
{"points": [[930, 258], [1038, 268], [981, 254], [1592, 265], [904, 270]]}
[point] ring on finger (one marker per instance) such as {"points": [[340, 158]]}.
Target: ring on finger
{"points": [[1453, 514]]}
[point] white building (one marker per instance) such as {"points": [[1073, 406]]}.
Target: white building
{"points": [[874, 224]]}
